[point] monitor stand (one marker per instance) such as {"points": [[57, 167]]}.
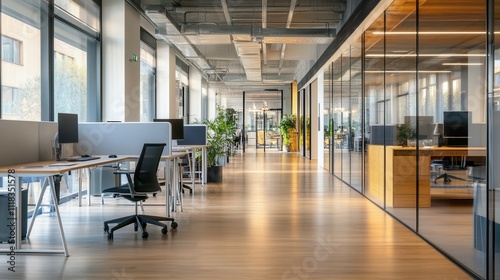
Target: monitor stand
{"points": [[57, 148]]}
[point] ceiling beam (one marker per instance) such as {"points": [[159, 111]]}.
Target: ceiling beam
{"points": [[293, 3], [226, 12]]}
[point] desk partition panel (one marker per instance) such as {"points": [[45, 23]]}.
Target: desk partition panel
{"points": [[25, 141], [194, 135], [121, 138]]}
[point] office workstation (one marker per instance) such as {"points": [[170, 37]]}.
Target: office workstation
{"points": [[72, 147], [458, 141]]}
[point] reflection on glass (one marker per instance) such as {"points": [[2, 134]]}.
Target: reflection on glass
{"points": [[21, 55]]}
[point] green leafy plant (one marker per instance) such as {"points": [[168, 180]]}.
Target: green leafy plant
{"points": [[220, 134], [287, 126], [405, 132]]}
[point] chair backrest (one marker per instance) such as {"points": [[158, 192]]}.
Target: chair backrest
{"points": [[145, 179]]}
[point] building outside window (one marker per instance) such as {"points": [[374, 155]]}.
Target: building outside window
{"points": [[11, 50]]}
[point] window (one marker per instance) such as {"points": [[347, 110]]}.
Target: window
{"points": [[11, 50], [148, 81], [10, 100], [87, 12], [21, 59]]}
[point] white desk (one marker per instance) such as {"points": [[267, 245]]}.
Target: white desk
{"points": [[44, 169], [191, 149]]}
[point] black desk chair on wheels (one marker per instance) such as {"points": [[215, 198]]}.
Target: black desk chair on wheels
{"points": [[443, 166], [143, 182]]}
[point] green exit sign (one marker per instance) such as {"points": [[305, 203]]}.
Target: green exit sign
{"points": [[134, 57]]}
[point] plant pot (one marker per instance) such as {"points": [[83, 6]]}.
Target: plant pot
{"points": [[214, 173], [286, 148]]}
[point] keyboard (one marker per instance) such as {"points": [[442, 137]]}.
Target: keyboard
{"points": [[82, 158]]}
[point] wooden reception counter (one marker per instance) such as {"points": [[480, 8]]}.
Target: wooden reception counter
{"points": [[401, 172]]}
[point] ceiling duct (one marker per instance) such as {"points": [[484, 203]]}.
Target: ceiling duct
{"points": [[249, 55], [170, 32]]}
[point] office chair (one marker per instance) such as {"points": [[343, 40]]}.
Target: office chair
{"points": [[445, 165], [143, 182]]}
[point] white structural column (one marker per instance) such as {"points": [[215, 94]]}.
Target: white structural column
{"points": [[195, 95], [167, 97], [314, 119], [121, 61]]}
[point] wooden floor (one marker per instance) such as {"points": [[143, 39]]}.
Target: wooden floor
{"points": [[275, 216]]}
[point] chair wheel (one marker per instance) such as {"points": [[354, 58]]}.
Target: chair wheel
{"points": [[110, 236], [174, 225], [154, 194], [106, 228], [136, 227], [145, 235], [164, 230]]}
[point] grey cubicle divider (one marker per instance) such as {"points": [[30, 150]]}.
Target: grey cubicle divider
{"points": [[194, 134], [25, 141], [121, 138]]}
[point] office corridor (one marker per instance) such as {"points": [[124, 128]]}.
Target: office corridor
{"points": [[275, 216]]}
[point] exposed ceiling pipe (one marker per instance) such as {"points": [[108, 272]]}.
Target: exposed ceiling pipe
{"points": [[333, 8], [264, 25], [288, 23]]}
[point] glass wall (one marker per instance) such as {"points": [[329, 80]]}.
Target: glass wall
{"points": [[491, 182], [21, 59], [355, 109], [50, 62], [327, 119], [337, 134], [375, 104], [411, 114]]}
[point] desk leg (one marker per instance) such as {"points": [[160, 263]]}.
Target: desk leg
{"points": [[89, 180], [79, 187], [192, 159], [37, 206], [56, 205], [167, 188], [203, 166]]}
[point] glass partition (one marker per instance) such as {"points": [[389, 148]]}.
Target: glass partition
{"points": [[327, 119], [337, 133], [356, 116], [402, 171], [375, 106], [451, 100]]}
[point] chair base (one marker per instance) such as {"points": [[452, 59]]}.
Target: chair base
{"points": [[447, 178], [138, 221]]}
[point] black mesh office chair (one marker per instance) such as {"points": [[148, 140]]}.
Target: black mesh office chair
{"points": [[445, 165], [143, 182]]}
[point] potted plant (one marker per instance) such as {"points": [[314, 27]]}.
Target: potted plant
{"points": [[220, 135], [406, 135], [287, 128]]}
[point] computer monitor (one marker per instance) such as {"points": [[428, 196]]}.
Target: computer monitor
{"points": [[177, 127], [456, 127], [425, 126], [67, 128]]}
